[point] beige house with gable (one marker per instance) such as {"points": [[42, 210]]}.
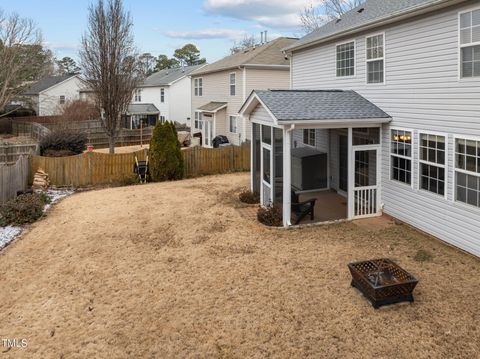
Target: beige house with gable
{"points": [[219, 89]]}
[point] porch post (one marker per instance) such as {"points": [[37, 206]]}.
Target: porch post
{"points": [[287, 176], [351, 176], [253, 166]]}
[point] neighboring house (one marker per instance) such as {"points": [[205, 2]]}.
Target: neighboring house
{"points": [[164, 95], [401, 133], [219, 89], [49, 96]]}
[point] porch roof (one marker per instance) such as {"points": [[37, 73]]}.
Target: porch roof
{"points": [[142, 109], [315, 106], [212, 107]]}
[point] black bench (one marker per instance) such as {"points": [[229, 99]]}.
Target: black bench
{"points": [[302, 209]]}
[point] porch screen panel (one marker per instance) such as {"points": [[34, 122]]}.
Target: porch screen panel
{"points": [[278, 165], [256, 148]]}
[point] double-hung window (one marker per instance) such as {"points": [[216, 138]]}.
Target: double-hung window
{"points": [[233, 124], [470, 44], [198, 87], [432, 163], [138, 95], [375, 59], [62, 100], [467, 171], [232, 84], [401, 156], [162, 95], [346, 59], [309, 137], [198, 120]]}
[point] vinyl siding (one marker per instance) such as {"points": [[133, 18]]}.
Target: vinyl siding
{"points": [[422, 92], [49, 99]]}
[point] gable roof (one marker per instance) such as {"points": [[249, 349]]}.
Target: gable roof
{"points": [[212, 107], [317, 105], [167, 76], [371, 13], [267, 54], [46, 83]]}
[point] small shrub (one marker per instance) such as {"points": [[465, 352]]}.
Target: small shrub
{"points": [[24, 209], [64, 139], [165, 154], [270, 216], [249, 197], [423, 256]]}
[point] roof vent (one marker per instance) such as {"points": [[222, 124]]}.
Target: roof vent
{"points": [[361, 10]]}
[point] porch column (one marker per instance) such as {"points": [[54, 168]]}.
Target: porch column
{"points": [[351, 176], [253, 149], [287, 175]]}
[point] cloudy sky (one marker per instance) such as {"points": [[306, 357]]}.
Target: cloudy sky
{"points": [[162, 26]]}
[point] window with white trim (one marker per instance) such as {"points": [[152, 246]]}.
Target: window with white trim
{"points": [[233, 124], [62, 100], [470, 44], [309, 136], [198, 87], [375, 59], [233, 80], [198, 120], [346, 59], [401, 156], [162, 95], [467, 171], [162, 119], [432, 163], [138, 95]]}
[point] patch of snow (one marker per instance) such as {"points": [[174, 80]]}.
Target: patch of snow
{"points": [[56, 195], [8, 234]]}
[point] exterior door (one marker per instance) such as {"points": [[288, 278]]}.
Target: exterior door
{"points": [[366, 182], [208, 133], [266, 172]]}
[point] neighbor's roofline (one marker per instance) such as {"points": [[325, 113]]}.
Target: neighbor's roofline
{"points": [[247, 66], [174, 81], [57, 84], [386, 20]]}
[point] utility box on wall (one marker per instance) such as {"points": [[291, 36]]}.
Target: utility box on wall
{"points": [[309, 169]]}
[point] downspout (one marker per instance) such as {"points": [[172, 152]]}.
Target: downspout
{"points": [[287, 174]]}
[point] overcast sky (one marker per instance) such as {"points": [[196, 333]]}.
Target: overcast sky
{"points": [[162, 26]]}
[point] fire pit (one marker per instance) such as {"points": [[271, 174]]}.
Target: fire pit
{"points": [[382, 282]]}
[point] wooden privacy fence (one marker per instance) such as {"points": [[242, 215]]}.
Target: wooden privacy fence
{"points": [[13, 178], [11, 153], [200, 161], [98, 168]]}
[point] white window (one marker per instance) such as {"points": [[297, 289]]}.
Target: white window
{"points": [[138, 95], [198, 85], [470, 44], [233, 124], [375, 59], [401, 156], [162, 95], [432, 163], [162, 119], [198, 121], [346, 59], [467, 171], [62, 100], [309, 137], [232, 84]]}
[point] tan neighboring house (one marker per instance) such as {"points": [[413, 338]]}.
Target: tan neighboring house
{"points": [[219, 89]]}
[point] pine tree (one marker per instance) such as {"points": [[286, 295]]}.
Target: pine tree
{"points": [[165, 155]]}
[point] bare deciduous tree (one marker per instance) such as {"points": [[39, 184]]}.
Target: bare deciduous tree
{"points": [[23, 59], [313, 17], [110, 63], [246, 43]]}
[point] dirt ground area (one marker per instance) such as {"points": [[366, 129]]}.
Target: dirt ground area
{"points": [[15, 140], [124, 149], [175, 270]]}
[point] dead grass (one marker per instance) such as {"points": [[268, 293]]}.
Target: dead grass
{"points": [[167, 270]]}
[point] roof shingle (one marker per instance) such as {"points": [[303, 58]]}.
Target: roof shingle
{"points": [[167, 76], [46, 83]]}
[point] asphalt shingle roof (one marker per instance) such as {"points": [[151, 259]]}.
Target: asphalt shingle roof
{"points": [[46, 83], [267, 54], [305, 105], [142, 109], [167, 76], [212, 106], [373, 11]]}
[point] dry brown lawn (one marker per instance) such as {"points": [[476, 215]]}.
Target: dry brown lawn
{"points": [[175, 270]]}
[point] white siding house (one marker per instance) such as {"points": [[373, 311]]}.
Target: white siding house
{"points": [[419, 62], [49, 96]]}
